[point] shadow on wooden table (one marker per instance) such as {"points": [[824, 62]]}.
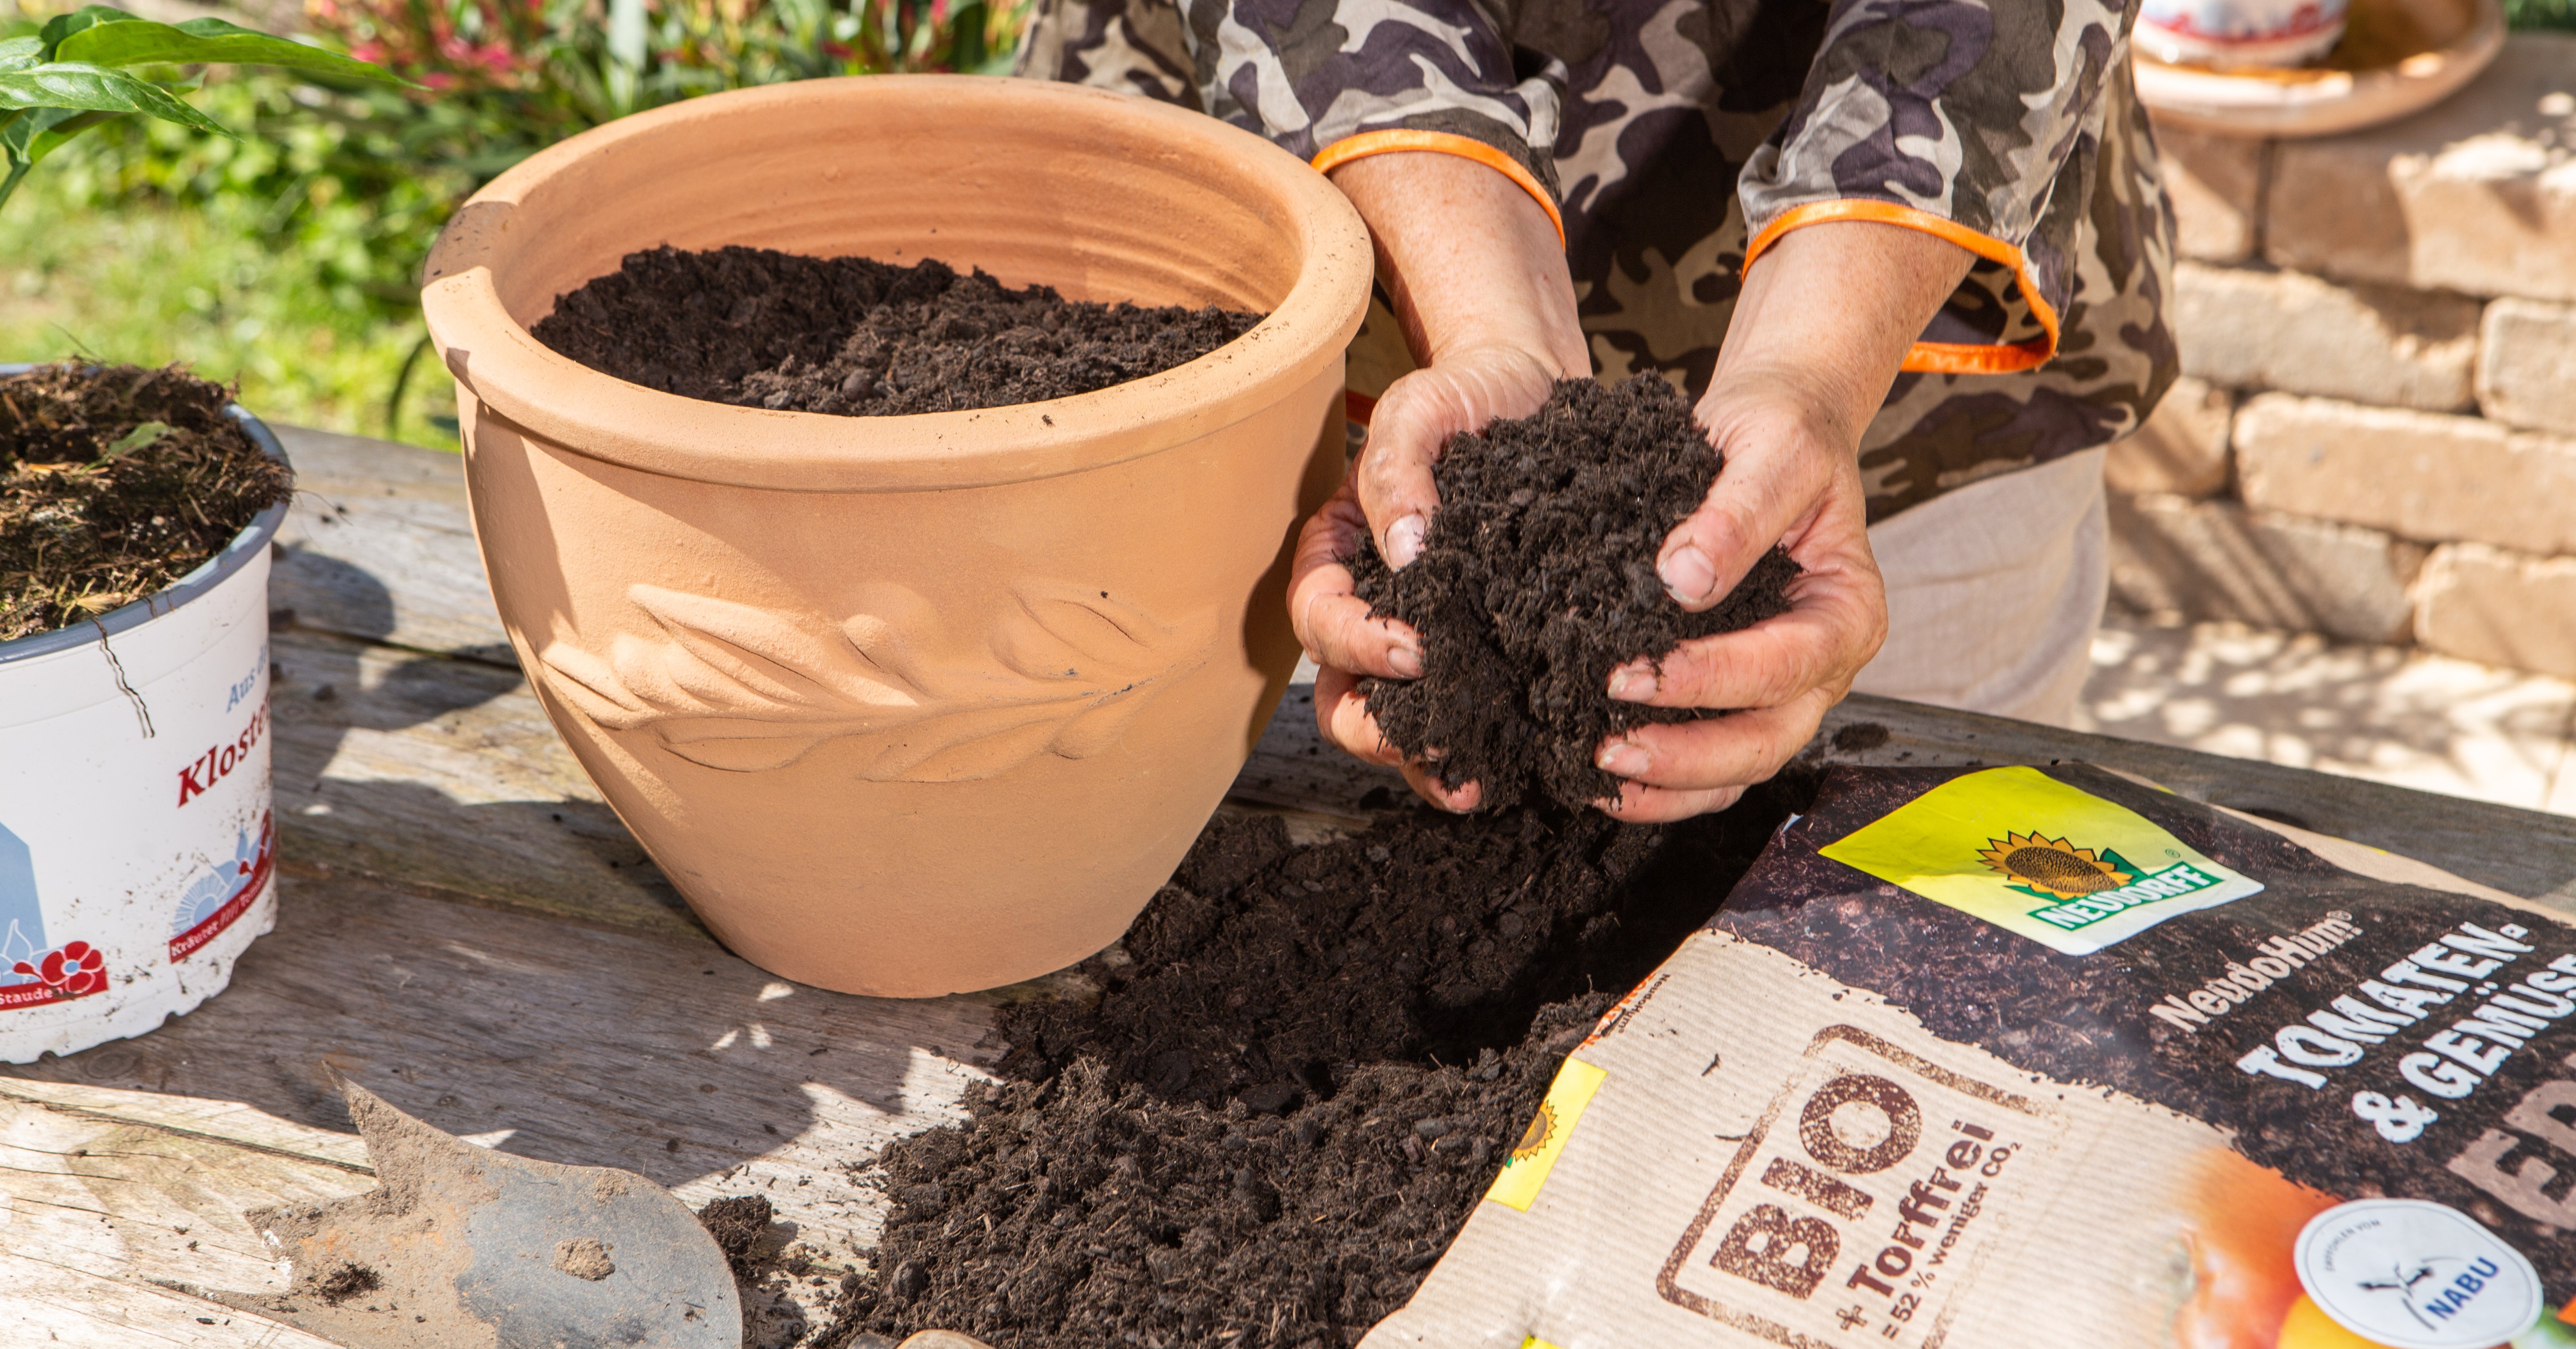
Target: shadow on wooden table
{"points": [[465, 928]]}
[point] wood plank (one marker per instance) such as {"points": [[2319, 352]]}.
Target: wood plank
{"points": [[590, 1046], [229, 1123], [59, 1306], [443, 775], [96, 1206], [1292, 768], [380, 546]]}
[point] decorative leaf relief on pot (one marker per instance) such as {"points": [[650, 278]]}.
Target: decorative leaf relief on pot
{"points": [[745, 689]]}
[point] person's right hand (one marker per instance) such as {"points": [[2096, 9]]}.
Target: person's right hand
{"points": [[1477, 275], [1388, 496]]}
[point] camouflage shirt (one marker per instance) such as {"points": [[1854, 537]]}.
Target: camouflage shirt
{"points": [[1672, 136]]}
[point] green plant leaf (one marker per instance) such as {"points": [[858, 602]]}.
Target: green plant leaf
{"points": [[80, 20], [56, 126], [207, 41], [141, 436], [968, 50], [18, 53], [70, 84]]}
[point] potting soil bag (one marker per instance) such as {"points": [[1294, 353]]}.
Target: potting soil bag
{"points": [[2046, 1057]]}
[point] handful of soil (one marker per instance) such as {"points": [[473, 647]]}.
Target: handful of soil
{"points": [[1537, 579], [114, 482], [855, 337], [1305, 1068]]}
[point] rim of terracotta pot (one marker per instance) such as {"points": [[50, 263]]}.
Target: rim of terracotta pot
{"points": [[529, 385]]}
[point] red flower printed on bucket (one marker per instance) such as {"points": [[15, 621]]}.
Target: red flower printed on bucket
{"points": [[73, 971]]}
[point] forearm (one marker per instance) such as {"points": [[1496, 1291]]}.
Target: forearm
{"points": [[1468, 258], [1827, 314]]}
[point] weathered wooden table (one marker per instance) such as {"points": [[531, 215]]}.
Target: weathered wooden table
{"points": [[466, 929]]}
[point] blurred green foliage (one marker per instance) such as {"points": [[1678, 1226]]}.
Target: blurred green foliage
{"points": [[85, 270], [312, 226], [2541, 14]]}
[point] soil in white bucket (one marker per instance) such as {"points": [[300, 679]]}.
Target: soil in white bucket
{"points": [[137, 847]]}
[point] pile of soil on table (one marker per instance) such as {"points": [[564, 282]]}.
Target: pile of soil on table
{"points": [[856, 337], [114, 482], [740, 1225], [1305, 1068], [1537, 579]]}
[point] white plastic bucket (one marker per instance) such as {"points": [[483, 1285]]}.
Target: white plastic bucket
{"points": [[137, 852]]}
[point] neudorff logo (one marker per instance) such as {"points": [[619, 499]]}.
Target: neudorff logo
{"points": [[2413, 1274], [2081, 886], [2040, 858]]}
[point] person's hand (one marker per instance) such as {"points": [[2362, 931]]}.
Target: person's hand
{"points": [[1825, 317], [1478, 278], [1388, 496]]}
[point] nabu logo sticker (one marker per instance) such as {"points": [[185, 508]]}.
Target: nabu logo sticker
{"points": [[2034, 856]]}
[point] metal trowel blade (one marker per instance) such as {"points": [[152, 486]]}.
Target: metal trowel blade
{"points": [[461, 1247]]}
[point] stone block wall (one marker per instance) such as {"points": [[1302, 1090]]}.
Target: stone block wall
{"points": [[2375, 436]]}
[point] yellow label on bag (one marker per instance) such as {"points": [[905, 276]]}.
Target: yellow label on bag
{"points": [[2031, 855], [1525, 1170]]}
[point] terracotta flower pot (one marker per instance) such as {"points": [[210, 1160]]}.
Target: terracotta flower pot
{"points": [[909, 705]]}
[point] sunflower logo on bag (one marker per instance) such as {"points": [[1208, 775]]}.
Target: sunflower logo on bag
{"points": [[2001, 844], [1542, 1126], [2053, 868]]}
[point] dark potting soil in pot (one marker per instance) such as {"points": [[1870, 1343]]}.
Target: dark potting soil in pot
{"points": [[114, 482], [860, 338], [1537, 579], [1305, 1068]]}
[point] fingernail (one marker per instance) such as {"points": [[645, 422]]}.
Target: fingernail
{"points": [[1404, 542], [1622, 758], [1632, 683], [1688, 574], [1406, 662]]}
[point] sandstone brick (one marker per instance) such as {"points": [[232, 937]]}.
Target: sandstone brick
{"points": [[2527, 364], [2419, 475], [2216, 186], [2206, 560], [2287, 331], [2183, 447], [2501, 608], [2476, 194]]}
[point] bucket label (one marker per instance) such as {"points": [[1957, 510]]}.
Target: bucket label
{"points": [[219, 761], [2034, 856], [223, 893], [36, 974]]}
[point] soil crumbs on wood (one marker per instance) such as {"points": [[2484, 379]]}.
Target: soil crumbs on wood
{"points": [[1305, 1068], [860, 338], [114, 482], [1537, 579], [740, 1225], [346, 1282]]}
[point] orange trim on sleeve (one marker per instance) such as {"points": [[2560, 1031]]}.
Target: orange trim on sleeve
{"points": [[1368, 143], [1938, 358]]}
